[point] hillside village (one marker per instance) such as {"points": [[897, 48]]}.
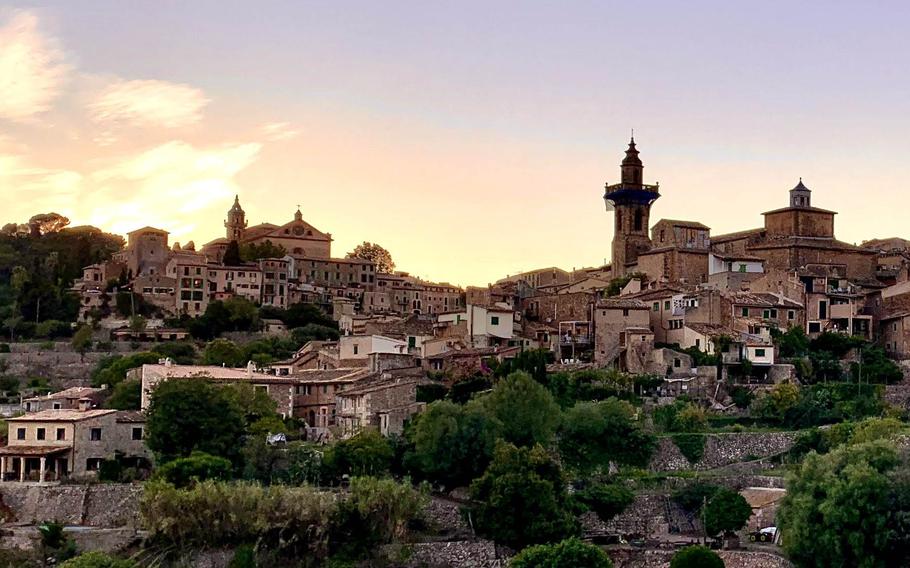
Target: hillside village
{"points": [[727, 357]]}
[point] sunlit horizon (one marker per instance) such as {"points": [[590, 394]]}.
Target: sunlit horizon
{"points": [[472, 142]]}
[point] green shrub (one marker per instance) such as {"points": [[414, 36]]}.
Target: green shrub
{"points": [[692, 497], [96, 559], [692, 446], [726, 512], [570, 553], [366, 453], [606, 499], [696, 557], [293, 520], [742, 396], [200, 466]]}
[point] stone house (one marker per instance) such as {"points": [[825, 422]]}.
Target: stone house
{"points": [[622, 333], [383, 404], [51, 445]]}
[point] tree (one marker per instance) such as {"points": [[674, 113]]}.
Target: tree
{"points": [[778, 402], [232, 255], [375, 254], [453, 444], [595, 433], [522, 499], [223, 352], [110, 371], [726, 512], [187, 415], [696, 557], [850, 507], [46, 223], [82, 341], [606, 499], [11, 323], [570, 553], [127, 395], [252, 251], [138, 324], [792, 343], [525, 408]]}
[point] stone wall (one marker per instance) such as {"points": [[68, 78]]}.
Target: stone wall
{"points": [[100, 505], [631, 558], [722, 450]]}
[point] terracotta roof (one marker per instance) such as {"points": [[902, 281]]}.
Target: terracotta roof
{"points": [[812, 209], [678, 223], [14, 450], [75, 392], [61, 415], [621, 303], [715, 239], [130, 416]]}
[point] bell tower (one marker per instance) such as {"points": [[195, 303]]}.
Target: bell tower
{"points": [[236, 221], [630, 200]]}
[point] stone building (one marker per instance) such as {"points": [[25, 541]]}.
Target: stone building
{"points": [[52, 445], [383, 404], [146, 252], [622, 333]]}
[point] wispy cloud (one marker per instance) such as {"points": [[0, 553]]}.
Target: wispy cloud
{"points": [[148, 103], [172, 181], [32, 68], [279, 131]]}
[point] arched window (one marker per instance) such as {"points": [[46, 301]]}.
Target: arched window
{"points": [[638, 219]]}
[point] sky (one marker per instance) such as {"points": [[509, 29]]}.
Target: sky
{"points": [[471, 139]]}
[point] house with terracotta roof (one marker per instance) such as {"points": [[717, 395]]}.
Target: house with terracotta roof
{"points": [[52, 445]]}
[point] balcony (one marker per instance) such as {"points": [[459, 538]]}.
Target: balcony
{"points": [[579, 339], [842, 311]]}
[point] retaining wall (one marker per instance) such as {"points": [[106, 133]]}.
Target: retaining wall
{"points": [[722, 450]]}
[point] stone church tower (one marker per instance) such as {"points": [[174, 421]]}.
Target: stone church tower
{"points": [[236, 221], [631, 202]]}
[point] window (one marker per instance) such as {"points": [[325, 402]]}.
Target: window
{"points": [[20, 433], [698, 343], [814, 327], [625, 312], [356, 349], [676, 362], [494, 320], [61, 433], [95, 434], [667, 305], [93, 464], [137, 432], [325, 389], [40, 434], [57, 406], [656, 307], [759, 352], [766, 314], [742, 267], [745, 312], [791, 315]]}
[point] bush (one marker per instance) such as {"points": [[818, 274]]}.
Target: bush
{"points": [[606, 500], [378, 511], [96, 559], [199, 466], [681, 416], [696, 557], [570, 553], [366, 453], [692, 497], [742, 396], [4, 348], [594, 434], [526, 409], [692, 446], [295, 520]]}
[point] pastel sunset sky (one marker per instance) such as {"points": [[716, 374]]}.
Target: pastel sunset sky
{"points": [[471, 139]]}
